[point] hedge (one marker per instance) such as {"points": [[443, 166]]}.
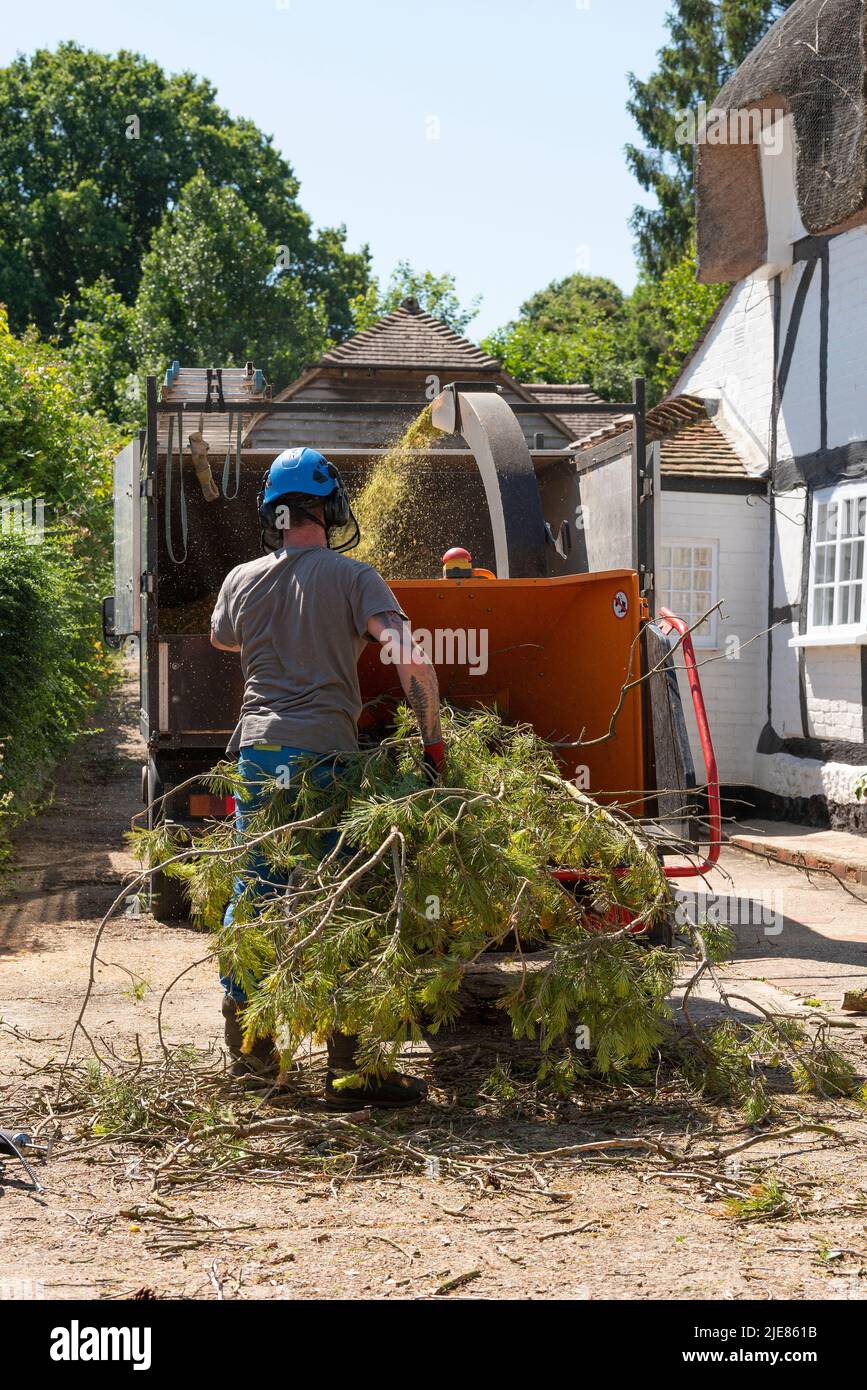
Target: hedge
{"points": [[53, 665]]}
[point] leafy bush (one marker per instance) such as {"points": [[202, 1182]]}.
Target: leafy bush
{"points": [[53, 665], [51, 447]]}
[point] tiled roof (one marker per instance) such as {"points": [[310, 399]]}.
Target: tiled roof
{"points": [[409, 338], [578, 426], [702, 449], [690, 441]]}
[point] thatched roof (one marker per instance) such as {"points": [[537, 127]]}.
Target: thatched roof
{"points": [[811, 63]]}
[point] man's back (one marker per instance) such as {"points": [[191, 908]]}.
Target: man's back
{"points": [[300, 616]]}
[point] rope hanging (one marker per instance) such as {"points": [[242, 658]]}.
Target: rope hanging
{"points": [[169, 464], [230, 496]]}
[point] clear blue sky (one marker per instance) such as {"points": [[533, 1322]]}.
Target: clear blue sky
{"points": [[527, 180]]}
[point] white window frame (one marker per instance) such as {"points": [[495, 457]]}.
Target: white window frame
{"points": [[834, 633], [708, 637]]}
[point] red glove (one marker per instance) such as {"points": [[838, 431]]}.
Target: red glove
{"points": [[434, 759]]}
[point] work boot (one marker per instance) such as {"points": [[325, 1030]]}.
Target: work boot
{"points": [[390, 1092], [262, 1060]]}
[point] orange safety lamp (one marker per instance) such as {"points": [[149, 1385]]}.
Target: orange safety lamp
{"points": [[458, 564]]}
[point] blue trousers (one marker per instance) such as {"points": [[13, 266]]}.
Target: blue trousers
{"points": [[259, 764]]}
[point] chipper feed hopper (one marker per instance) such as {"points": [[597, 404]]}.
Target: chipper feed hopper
{"points": [[564, 652]]}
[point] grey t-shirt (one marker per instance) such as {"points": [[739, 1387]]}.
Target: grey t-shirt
{"points": [[300, 615]]}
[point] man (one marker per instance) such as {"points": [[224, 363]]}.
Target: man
{"points": [[300, 616]]}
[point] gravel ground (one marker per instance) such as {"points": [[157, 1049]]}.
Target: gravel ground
{"points": [[516, 1221]]}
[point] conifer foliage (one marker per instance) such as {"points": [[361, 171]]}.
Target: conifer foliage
{"points": [[397, 886]]}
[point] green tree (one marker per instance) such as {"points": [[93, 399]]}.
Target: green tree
{"points": [[95, 148], [708, 40], [100, 352], [586, 330], [211, 292], [53, 664], [567, 305], [667, 317], [597, 355], [436, 294], [576, 329]]}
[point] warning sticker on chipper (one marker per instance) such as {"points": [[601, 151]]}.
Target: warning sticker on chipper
{"points": [[620, 604]]}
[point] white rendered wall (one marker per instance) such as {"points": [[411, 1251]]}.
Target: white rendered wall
{"points": [[734, 688], [782, 214], [735, 366], [799, 423], [735, 363], [787, 776], [788, 559], [847, 398]]}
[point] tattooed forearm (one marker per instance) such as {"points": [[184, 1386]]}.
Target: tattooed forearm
{"points": [[417, 676], [423, 694]]}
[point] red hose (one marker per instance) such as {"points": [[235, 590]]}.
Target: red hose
{"points": [[714, 809], [669, 621]]}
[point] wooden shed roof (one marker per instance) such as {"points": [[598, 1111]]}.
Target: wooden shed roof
{"points": [[578, 426], [388, 362], [410, 339]]}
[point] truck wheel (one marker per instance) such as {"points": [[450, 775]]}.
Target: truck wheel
{"points": [[169, 902]]}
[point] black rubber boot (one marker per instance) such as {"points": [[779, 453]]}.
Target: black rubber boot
{"points": [[261, 1060], [390, 1092]]}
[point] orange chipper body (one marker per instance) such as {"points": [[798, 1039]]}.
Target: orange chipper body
{"points": [[559, 654]]}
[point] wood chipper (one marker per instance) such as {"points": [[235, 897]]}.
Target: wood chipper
{"points": [[563, 652]]}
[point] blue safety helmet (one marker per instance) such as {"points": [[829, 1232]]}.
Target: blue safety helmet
{"points": [[300, 472], [303, 474]]}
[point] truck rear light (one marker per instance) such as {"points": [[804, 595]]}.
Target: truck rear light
{"points": [[203, 806]]}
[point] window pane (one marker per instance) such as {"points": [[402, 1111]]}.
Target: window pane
{"points": [[848, 604], [824, 564], [847, 556], [844, 596], [826, 521], [687, 582], [823, 607], [852, 518]]}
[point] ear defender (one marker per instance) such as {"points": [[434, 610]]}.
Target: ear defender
{"points": [[336, 508], [338, 512]]}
